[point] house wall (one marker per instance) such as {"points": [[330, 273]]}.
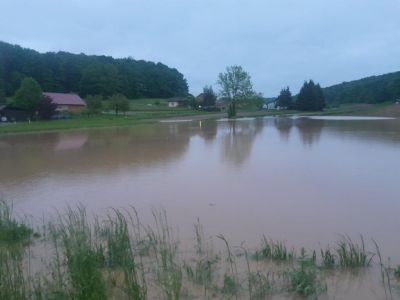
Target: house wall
{"points": [[70, 108], [173, 104], [76, 108]]}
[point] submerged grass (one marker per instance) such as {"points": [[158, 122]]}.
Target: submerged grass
{"points": [[168, 268], [274, 250], [12, 231], [305, 282], [83, 261], [116, 257], [353, 255]]}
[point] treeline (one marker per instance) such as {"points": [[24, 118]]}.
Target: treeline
{"points": [[310, 98], [87, 74], [374, 89]]}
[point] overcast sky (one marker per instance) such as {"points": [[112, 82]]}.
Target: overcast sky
{"points": [[279, 42]]}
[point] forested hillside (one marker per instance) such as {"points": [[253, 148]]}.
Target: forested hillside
{"points": [[87, 74], [374, 89]]}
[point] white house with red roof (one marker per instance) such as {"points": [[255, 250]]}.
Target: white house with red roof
{"points": [[67, 102]]}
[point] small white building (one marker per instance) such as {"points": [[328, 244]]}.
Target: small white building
{"points": [[177, 101], [269, 106]]}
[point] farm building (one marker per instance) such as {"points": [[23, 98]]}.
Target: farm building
{"points": [[67, 102]]}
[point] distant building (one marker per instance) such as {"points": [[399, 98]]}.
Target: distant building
{"points": [[269, 105], [13, 114], [67, 102], [177, 102]]}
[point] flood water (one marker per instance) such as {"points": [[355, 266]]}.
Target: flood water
{"points": [[302, 180]]}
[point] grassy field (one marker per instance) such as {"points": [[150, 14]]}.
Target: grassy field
{"points": [[102, 120], [152, 110]]}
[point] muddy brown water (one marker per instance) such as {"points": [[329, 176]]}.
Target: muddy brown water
{"points": [[302, 180]]}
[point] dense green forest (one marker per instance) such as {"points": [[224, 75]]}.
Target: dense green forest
{"points": [[374, 89], [87, 74]]}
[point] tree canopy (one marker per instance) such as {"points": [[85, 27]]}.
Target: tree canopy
{"points": [[29, 95], [285, 99], [311, 97], [94, 104], [46, 108], [235, 84], [88, 74], [119, 102], [209, 97], [374, 89]]}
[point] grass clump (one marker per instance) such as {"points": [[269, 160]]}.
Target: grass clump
{"points": [[353, 255], [305, 282], [82, 259], [119, 254], [328, 258], [13, 283], [202, 270], [168, 269], [11, 231], [274, 250]]}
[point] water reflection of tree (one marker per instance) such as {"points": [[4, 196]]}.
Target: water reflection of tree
{"points": [[284, 126], [208, 130], [309, 130], [238, 141]]}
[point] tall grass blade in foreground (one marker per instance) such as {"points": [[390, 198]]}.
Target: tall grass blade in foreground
{"points": [[165, 249]]}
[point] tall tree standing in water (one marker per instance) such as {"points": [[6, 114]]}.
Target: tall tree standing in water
{"points": [[235, 84]]}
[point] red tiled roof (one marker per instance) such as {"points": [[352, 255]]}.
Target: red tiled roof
{"points": [[65, 99]]}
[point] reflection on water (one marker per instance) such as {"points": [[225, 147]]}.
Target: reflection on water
{"points": [[238, 140], [303, 180]]}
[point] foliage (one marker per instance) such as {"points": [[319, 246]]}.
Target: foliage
{"points": [[235, 84], [99, 79], [274, 250], [397, 272], [252, 103], [165, 248], [13, 284], [118, 102], [285, 99], [94, 104], [209, 97], [82, 261], [305, 282], [2, 92], [29, 95], [10, 230], [353, 255], [46, 108], [311, 97], [374, 89], [88, 74]]}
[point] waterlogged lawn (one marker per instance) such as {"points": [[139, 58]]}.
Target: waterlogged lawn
{"points": [[118, 257], [82, 122]]}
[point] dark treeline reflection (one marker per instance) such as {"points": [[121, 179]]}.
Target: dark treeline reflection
{"points": [[102, 151], [310, 130]]}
